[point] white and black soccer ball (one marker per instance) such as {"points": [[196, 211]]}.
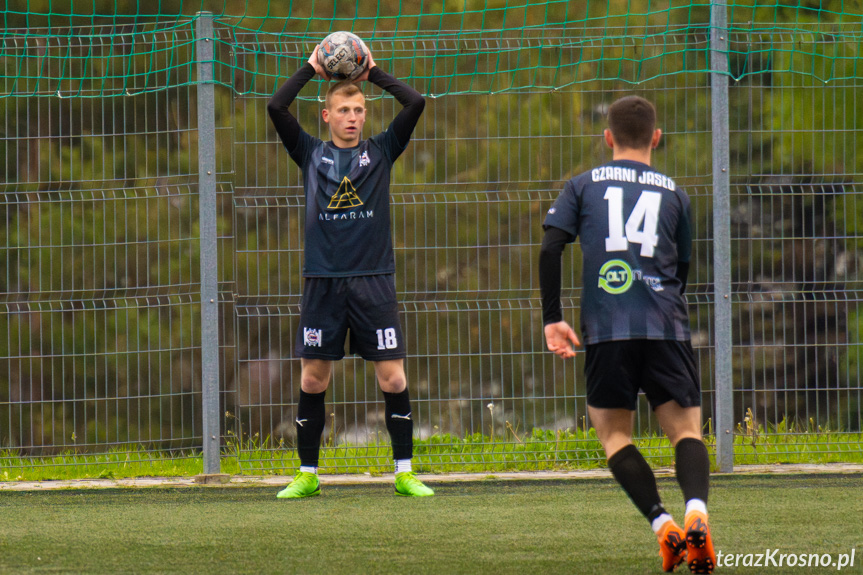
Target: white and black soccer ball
{"points": [[343, 55]]}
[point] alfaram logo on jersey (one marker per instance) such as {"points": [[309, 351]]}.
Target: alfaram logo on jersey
{"points": [[345, 197], [615, 277]]}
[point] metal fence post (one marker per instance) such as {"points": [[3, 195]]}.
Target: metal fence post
{"points": [[721, 238], [208, 244]]}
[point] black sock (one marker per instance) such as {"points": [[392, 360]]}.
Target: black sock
{"points": [[693, 468], [311, 416], [397, 407], [632, 472]]}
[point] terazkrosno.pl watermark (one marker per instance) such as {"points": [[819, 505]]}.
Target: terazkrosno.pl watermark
{"points": [[783, 559]]}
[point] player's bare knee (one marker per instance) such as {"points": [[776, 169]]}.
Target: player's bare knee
{"points": [[614, 445], [612, 440], [312, 384], [392, 383], [391, 375], [678, 437], [314, 380]]}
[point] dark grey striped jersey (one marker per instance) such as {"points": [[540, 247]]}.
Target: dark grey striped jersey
{"points": [[347, 231], [634, 228], [347, 205]]}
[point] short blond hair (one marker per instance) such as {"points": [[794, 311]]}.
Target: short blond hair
{"points": [[345, 88]]}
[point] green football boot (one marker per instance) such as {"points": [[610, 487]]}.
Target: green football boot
{"points": [[407, 485], [303, 485]]}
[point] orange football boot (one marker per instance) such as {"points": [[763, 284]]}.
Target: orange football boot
{"points": [[672, 545], [699, 544]]}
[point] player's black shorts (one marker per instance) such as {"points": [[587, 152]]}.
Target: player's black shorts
{"points": [[365, 306], [663, 369]]}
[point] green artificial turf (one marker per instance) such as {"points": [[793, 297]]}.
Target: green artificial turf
{"points": [[491, 526]]}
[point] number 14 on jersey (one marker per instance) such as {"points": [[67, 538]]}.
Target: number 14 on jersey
{"points": [[641, 225]]}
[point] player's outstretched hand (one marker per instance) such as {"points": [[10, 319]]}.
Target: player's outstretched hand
{"points": [[558, 337], [313, 60], [365, 74]]}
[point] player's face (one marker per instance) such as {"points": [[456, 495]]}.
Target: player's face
{"points": [[346, 116]]}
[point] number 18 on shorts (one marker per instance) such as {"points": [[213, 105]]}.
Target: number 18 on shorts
{"points": [[362, 310], [387, 338]]}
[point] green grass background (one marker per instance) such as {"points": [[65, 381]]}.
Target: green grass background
{"points": [[540, 450], [571, 526]]}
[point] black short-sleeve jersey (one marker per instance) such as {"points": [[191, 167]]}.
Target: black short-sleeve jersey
{"points": [[634, 227], [347, 190]]}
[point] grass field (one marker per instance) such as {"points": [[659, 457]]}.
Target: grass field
{"points": [[490, 526]]}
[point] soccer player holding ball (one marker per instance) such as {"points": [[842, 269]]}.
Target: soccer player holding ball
{"points": [[636, 242], [349, 268]]}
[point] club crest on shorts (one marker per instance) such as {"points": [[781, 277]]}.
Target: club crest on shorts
{"points": [[312, 337]]}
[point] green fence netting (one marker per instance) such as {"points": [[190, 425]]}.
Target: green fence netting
{"points": [[100, 49]]}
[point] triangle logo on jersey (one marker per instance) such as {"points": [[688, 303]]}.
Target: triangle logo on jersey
{"points": [[345, 197]]}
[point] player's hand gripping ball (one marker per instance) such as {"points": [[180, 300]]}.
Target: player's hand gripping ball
{"points": [[343, 55]]}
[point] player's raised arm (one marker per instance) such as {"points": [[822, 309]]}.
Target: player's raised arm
{"points": [[412, 101], [286, 124]]}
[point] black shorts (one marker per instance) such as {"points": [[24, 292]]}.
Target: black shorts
{"points": [[364, 305], [665, 370]]}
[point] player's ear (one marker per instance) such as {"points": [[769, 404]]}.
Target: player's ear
{"points": [[609, 141], [657, 134], [325, 115]]}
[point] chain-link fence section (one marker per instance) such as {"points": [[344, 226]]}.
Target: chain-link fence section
{"points": [[101, 339]]}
